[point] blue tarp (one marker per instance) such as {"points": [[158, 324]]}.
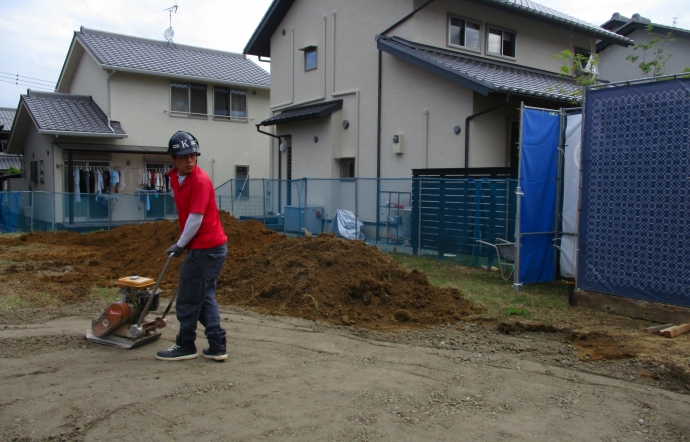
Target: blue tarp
{"points": [[635, 214], [9, 211], [538, 183]]}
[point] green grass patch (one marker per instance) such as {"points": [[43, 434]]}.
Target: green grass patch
{"points": [[108, 294], [514, 311], [14, 302], [546, 303]]}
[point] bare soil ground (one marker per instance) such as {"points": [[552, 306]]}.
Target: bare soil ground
{"points": [[328, 340]]}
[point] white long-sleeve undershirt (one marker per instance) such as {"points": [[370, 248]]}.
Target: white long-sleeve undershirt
{"points": [[190, 228]]}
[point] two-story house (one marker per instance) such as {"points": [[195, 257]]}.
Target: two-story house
{"points": [[674, 42], [376, 88], [116, 104]]}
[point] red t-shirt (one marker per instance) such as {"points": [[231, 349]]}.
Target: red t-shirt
{"points": [[196, 195]]}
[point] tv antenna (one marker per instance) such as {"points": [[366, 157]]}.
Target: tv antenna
{"points": [[169, 33]]}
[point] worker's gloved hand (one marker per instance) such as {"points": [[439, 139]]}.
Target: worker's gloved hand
{"points": [[174, 249]]}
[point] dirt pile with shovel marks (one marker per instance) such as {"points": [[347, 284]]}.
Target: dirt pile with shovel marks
{"points": [[320, 278]]}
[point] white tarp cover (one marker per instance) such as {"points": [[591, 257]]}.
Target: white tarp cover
{"points": [[571, 195], [344, 226]]}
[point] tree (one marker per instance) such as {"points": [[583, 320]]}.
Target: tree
{"points": [[656, 52], [581, 67]]}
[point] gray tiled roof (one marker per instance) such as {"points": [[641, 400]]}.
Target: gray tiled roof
{"points": [[308, 112], [260, 42], [532, 8], [7, 117], [7, 161], [69, 114], [479, 74], [158, 57]]}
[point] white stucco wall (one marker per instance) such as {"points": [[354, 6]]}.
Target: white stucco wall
{"points": [[90, 79], [614, 67]]}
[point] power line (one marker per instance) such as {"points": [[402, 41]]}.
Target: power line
{"points": [[43, 88], [30, 82], [24, 78]]}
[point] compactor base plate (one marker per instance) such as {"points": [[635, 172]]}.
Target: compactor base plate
{"points": [[113, 340]]}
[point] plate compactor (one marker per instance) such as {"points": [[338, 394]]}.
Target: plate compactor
{"points": [[125, 323]]}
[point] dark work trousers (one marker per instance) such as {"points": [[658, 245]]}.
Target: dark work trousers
{"points": [[196, 297]]}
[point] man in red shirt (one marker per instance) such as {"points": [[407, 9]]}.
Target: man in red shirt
{"points": [[205, 241]]}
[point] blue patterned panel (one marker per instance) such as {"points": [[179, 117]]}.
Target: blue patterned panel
{"points": [[635, 218]]}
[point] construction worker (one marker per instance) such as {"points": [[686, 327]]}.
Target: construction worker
{"points": [[205, 241]]}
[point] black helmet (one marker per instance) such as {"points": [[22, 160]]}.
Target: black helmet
{"points": [[183, 143]]}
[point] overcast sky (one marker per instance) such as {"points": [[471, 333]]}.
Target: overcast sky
{"points": [[35, 34]]}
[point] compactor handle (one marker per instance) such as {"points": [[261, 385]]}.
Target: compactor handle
{"points": [[145, 311]]}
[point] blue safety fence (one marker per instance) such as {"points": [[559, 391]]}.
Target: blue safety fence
{"points": [[431, 216], [10, 211], [635, 217]]}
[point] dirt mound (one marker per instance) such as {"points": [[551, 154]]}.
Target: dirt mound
{"points": [[81, 261], [341, 282], [320, 278]]}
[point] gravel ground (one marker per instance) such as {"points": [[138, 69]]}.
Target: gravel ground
{"points": [[294, 379]]}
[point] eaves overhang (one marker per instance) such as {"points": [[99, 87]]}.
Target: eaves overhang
{"points": [[260, 42], [528, 8], [631, 26], [301, 113], [186, 77], [479, 74], [67, 133], [112, 148]]}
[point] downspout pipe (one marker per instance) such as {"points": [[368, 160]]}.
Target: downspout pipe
{"points": [[407, 17], [378, 117], [280, 156], [467, 127], [110, 74]]}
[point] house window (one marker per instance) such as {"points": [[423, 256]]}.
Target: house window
{"points": [[310, 60], [500, 42], [229, 102], [585, 62], [347, 168], [464, 33], [241, 182], [188, 99], [33, 171]]}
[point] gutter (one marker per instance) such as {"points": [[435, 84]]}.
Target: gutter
{"points": [[467, 127], [280, 156], [354, 92], [186, 77], [81, 134], [108, 92]]}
